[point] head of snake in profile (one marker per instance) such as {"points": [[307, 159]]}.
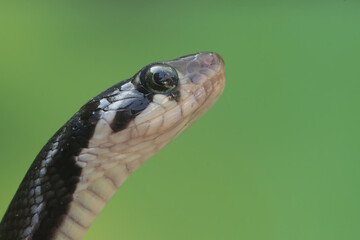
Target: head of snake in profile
{"points": [[159, 102], [139, 116], [84, 163]]}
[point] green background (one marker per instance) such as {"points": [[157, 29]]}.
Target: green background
{"points": [[278, 156]]}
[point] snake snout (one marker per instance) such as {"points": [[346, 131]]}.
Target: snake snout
{"points": [[211, 60]]}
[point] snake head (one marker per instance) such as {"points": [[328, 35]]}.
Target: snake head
{"points": [[200, 81]]}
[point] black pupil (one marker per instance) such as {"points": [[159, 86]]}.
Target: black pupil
{"points": [[164, 78]]}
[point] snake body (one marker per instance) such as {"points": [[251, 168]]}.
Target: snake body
{"points": [[85, 162]]}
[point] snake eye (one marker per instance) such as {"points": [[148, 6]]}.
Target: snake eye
{"points": [[160, 78]]}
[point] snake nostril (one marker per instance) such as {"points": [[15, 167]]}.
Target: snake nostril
{"points": [[208, 59], [211, 59]]}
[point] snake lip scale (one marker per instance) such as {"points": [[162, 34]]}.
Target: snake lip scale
{"points": [[86, 161]]}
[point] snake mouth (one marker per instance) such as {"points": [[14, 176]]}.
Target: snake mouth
{"points": [[202, 84], [214, 87], [212, 94]]}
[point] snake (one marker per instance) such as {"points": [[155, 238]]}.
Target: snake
{"points": [[80, 168]]}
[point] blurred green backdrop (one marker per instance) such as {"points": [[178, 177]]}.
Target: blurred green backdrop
{"points": [[276, 158]]}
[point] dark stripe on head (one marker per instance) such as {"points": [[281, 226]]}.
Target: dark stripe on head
{"points": [[130, 109]]}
